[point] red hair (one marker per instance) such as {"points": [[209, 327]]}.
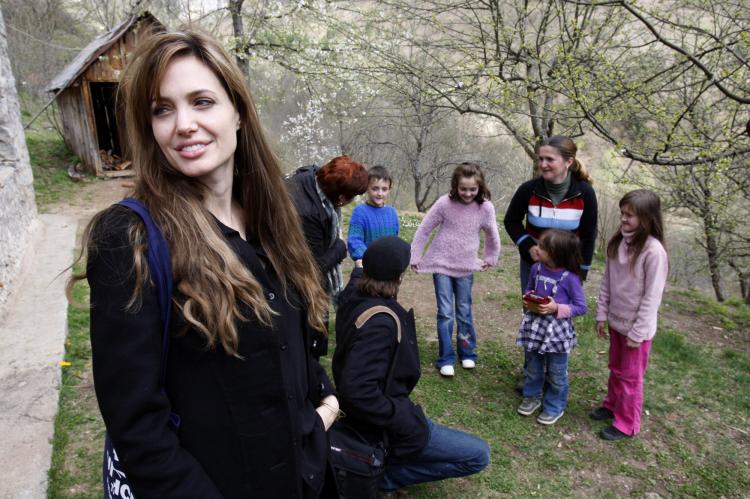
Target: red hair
{"points": [[342, 176]]}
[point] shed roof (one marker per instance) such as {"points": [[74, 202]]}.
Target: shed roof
{"points": [[93, 50]]}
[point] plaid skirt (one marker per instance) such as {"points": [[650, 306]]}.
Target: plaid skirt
{"points": [[546, 334]]}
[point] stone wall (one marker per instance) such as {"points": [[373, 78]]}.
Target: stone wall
{"points": [[17, 205]]}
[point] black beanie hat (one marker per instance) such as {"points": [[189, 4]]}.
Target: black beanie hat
{"points": [[386, 258]]}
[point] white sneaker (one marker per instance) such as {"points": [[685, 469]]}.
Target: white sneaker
{"points": [[447, 371], [468, 364]]}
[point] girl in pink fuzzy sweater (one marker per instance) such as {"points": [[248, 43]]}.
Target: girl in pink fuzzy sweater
{"points": [[453, 257], [629, 299]]}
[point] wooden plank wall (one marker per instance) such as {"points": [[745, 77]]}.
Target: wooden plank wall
{"points": [[79, 133]]}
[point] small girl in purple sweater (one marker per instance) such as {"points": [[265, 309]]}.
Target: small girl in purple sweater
{"points": [[554, 295], [453, 257]]}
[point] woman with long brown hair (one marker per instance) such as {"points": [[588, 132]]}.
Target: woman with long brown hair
{"points": [[253, 405]]}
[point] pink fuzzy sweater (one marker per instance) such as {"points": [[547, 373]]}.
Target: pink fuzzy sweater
{"points": [[629, 300], [454, 251]]}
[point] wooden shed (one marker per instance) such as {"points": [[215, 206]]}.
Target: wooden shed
{"points": [[85, 94]]}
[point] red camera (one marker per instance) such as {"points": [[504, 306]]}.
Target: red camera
{"points": [[535, 298]]}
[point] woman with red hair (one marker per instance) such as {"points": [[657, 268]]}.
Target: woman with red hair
{"points": [[318, 194]]}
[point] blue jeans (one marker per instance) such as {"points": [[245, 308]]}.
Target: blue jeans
{"points": [[525, 272], [447, 291], [449, 453], [556, 387]]}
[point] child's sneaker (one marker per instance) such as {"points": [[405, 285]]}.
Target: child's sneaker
{"points": [[601, 413], [612, 433], [529, 405], [468, 364], [548, 419], [447, 371]]}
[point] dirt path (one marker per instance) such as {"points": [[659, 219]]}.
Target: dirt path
{"points": [[92, 197]]}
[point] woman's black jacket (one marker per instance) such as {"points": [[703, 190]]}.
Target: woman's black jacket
{"points": [[360, 368], [248, 425], [316, 222], [531, 202]]}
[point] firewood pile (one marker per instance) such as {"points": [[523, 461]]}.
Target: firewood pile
{"points": [[112, 162]]}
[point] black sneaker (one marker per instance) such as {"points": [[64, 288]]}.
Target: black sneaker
{"points": [[548, 419], [601, 413], [612, 433], [529, 406]]}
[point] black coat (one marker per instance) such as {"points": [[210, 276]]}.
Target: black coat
{"points": [[316, 222], [248, 425], [580, 194], [360, 368]]}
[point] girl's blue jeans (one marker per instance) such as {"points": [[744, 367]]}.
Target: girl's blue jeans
{"points": [[453, 296], [449, 453], [552, 368], [525, 273]]}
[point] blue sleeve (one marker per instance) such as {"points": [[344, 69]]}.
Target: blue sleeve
{"points": [[356, 237], [397, 221]]}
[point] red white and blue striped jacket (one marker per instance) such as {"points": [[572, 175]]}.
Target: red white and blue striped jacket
{"points": [[576, 212]]}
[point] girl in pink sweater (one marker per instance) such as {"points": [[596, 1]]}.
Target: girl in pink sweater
{"points": [[453, 258], [629, 298]]}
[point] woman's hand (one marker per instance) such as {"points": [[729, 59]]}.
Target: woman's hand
{"points": [[601, 329], [632, 344], [328, 410], [548, 308], [533, 253]]}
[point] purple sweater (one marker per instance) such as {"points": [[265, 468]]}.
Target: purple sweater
{"points": [[629, 301], [454, 251], [571, 302]]}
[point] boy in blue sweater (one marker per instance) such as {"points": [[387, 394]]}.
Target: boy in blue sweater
{"points": [[373, 219]]}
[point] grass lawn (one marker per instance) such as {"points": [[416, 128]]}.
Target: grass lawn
{"points": [[695, 438], [49, 159]]}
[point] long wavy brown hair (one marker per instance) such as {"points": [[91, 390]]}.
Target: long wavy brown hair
{"points": [[213, 288], [468, 170], [646, 205]]}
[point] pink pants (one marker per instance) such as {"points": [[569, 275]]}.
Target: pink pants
{"points": [[625, 388]]}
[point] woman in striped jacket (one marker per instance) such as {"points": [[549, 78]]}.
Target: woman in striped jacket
{"points": [[561, 198]]}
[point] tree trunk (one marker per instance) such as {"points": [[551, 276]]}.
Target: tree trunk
{"points": [[745, 287], [744, 278], [418, 201], [712, 252], [238, 27]]}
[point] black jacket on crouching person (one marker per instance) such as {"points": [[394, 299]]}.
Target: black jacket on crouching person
{"points": [[361, 365]]}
